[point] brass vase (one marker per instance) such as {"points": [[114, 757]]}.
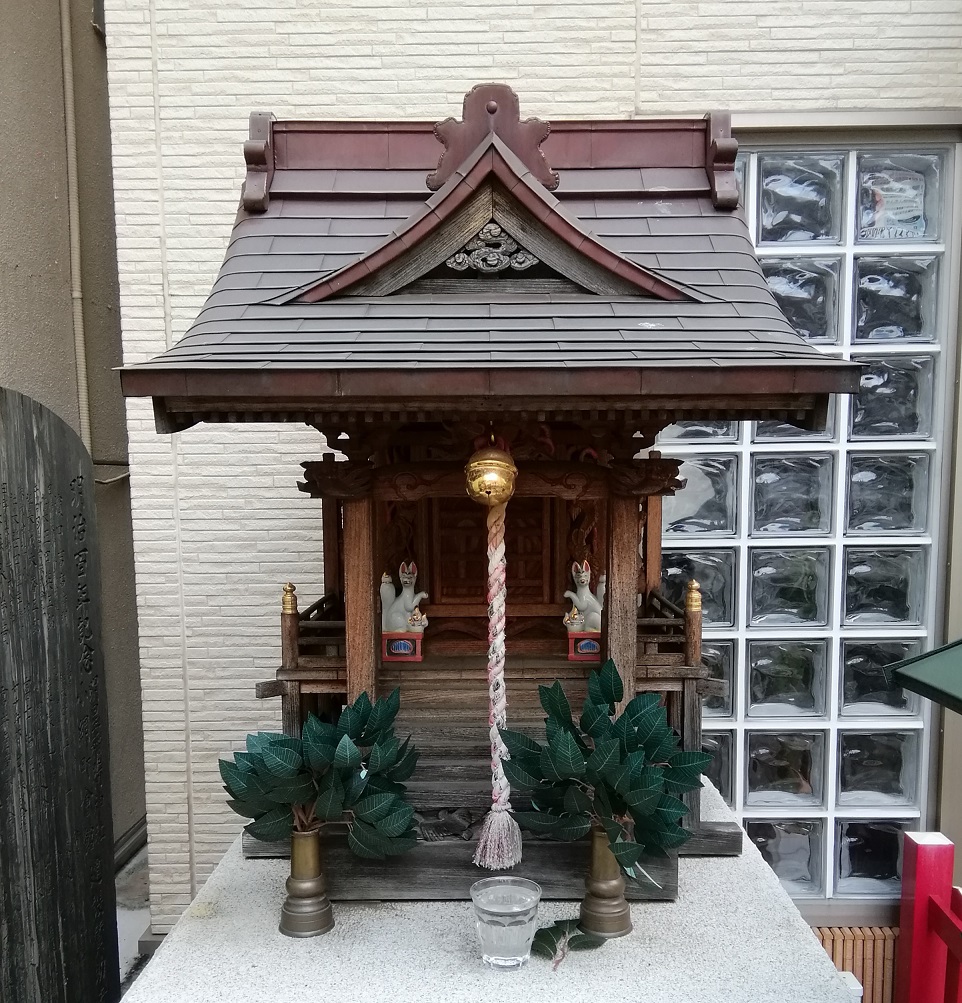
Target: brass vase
{"points": [[306, 911], [604, 911]]}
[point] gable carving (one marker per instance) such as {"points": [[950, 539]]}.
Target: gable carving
{"points": [[491, 250]]}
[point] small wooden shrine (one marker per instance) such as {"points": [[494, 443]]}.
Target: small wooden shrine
{"points": [[417, 292]]}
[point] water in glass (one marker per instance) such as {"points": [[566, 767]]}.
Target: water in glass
{"points": [[506, 910]]}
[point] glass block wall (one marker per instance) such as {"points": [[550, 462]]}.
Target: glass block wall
{"points": [[819, 554]]}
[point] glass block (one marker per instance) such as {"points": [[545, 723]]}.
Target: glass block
{"points": [[719, 657], [895, 299], [884, 585], [866, 688], [799, 197], [707, 503], [720, 745], [793, 850], [791, 494], [719, 431], [878, 767], [765, 431], [741, 173], [869, 857], [785, 768], [898, 196], [887, 492], [789, 586], [714, 570], [786, 678], [806, 289], [894, 399]]}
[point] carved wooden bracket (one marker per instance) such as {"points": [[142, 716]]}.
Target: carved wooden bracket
{"points": [[330, 478], [639, 478], [259, 157], [720, 153], [492, 109]]}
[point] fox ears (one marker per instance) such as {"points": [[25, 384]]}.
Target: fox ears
{"points": [[408, 569], [577, 568]]}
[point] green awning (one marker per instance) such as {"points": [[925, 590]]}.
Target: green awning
{"points": [[936, 674]]}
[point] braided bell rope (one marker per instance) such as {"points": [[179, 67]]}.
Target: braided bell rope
{"points": [[499, 844]]}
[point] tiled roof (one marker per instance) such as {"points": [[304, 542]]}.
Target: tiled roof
{"points": [[318, 225]]}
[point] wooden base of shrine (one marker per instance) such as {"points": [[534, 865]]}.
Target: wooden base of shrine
{"points": [[446, 870]]}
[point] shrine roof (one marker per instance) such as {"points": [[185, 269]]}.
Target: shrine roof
{"points": [[630, 254]]}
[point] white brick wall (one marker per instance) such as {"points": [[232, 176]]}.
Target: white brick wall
{"points": [[218, 523]]}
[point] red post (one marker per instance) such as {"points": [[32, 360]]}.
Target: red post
{"points": [[927, 859]]}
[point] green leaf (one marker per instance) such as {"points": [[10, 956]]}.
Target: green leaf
{"points": [[293, 790], [378, 722], [641, 703], [649, 724], [627, 852], [397, 821], [554, 702], [393, 703], [330, 801], [547, 940], [566, 757], [518, 744], [362, 707], [381, 785], [245, 761], [250, 809], [350, 723], [401, 844], [383, 755], [624, 731], [365, 841], [520, 773], [318, 739], [606, 756], [665, 749], [577, 802], [612, 688], [635, 761], [347, 755], [594, 719], [280, 759], [234, 778], [584, 942], [642, 802], [619, 778], [684, 771], [614, 829], [595, 693], [354, 786], [690, 760], [671, 807], [273, 825], [374, 806], [404, 767], [571, 827], [546, 798], [536, 821], [602, 803]]}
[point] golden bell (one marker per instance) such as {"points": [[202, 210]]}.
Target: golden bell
{"points": [[490, 475]]}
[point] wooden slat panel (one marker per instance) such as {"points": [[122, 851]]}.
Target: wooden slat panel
{"points": [[359, 596], [620, 617]]}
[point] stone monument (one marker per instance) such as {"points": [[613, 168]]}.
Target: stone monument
{"points": [[58, 934]]}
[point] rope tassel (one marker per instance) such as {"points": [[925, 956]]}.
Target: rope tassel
{"points": [[499, 844]]}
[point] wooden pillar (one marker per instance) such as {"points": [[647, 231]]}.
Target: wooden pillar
{"points": [[359, 605], [331, 523], [619, 626], [652, 568]]}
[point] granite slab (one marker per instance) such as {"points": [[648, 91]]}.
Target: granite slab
{"points": [[732, 935]]}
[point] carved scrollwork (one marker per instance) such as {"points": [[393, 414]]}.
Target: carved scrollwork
{"points": [[329, 478], [491, 250], [651, 476]]}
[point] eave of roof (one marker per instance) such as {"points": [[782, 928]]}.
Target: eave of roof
{"points": [[285, 331]]}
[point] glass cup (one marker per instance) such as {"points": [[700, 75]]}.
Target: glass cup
{"points": [[506, 918]]}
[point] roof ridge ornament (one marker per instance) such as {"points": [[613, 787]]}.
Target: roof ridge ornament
{"points": [[492, 110]]}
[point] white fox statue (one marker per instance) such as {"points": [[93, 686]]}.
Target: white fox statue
{"points": [[585, 614], [400, 612]]}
